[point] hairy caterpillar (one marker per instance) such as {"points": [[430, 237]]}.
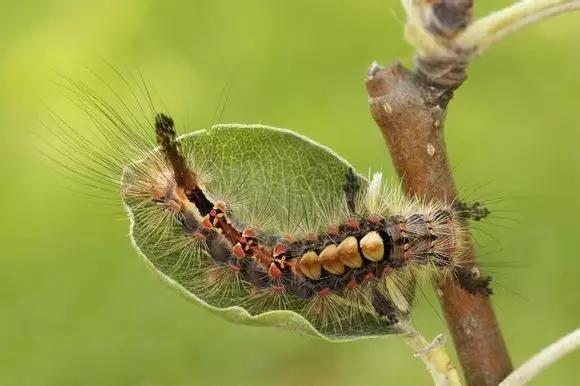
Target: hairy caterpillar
{"points": [[265, 220]]}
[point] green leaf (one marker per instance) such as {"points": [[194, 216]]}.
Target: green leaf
{"points": [[276, 175]]}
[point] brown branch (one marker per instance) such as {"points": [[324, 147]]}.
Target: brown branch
{"points": [[410, 107], [410, 114]]}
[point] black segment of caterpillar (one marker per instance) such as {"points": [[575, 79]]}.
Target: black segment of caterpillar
{"points": [[358, 252]]}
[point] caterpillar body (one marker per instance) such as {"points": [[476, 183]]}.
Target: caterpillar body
{"points": [[261, 220]]}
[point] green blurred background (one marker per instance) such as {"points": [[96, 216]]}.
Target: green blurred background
{"points": [[78, 307]]}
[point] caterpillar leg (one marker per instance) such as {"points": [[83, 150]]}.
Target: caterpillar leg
{"points": [[475, 211], [351, 189], [472, 281], [384, 308]]}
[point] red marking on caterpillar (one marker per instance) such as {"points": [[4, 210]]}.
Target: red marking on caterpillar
{"points": [[279, 249], [277, 289], [332, 230], [352, 224], [249, 233], [311, 238]]}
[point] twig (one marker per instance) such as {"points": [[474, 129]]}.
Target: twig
{"points": [[543, 359], [446, 42], [434, 356]]}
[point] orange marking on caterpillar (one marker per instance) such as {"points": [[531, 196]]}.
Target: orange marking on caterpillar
{"points": [[238, 251], [279, 249], [274, 271], [249, 233], [206, 223]]}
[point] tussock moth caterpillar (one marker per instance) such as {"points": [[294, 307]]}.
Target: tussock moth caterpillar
{"points": [[265, 226]]}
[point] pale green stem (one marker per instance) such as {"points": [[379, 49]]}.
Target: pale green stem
{"points": [[434, 356], [482, 33], [501, 34], [490, 29], [543, 359]]}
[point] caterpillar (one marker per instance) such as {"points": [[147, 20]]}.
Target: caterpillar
{"points": [[265, 220]]}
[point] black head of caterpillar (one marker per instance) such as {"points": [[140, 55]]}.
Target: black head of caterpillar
{"points": [[347, 260]]}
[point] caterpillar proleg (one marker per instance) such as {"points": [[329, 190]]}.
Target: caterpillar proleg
{"points": [[264, 223]]}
